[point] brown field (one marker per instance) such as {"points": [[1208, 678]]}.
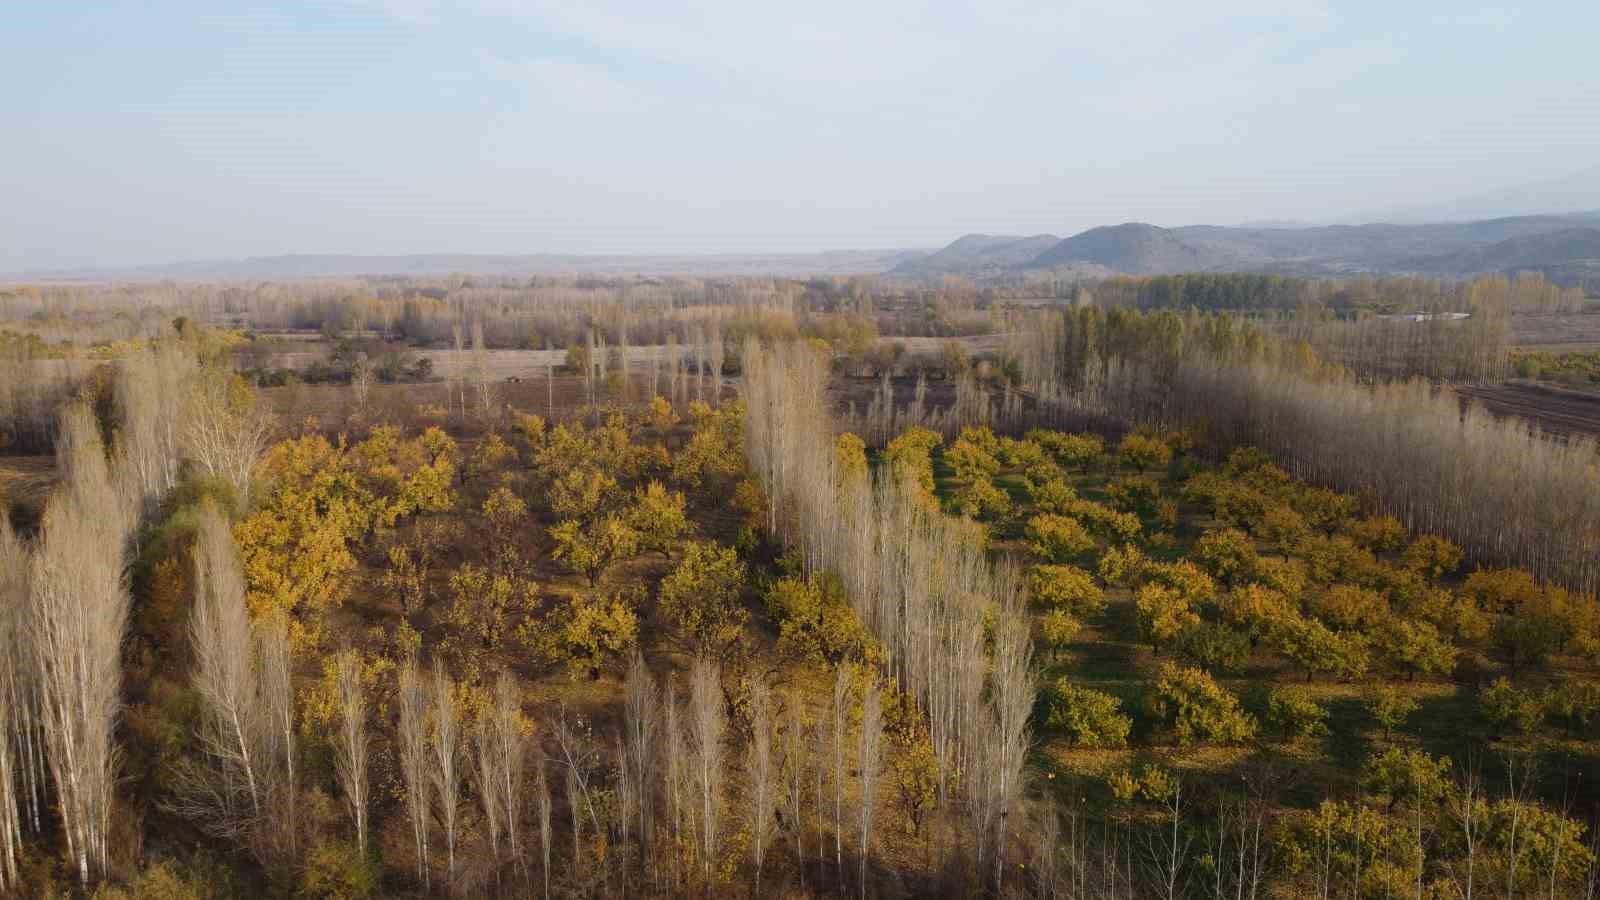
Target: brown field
{"points": [[1553, 410], [1558, 333]]}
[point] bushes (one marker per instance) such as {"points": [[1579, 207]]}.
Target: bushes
{"points": [[1191, 706], [1509, 709], [1057, 538], [1388, 706], [1067, 588], [1088, 718], [1295, 713]]}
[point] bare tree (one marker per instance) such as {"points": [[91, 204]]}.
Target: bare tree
{"points": [[225, 428], [760, 780], [275, 687], [507, 735], [76, 621], [871, 761], [227, 787], [361, 378], [483, 756], [639, 719], [707, 723], [15, 705], [840, 717], [795, 767], [446, 773], [541, 794], [412, 738], [351, 748], [150, 388]]}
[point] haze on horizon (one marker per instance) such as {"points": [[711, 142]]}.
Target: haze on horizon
{"points": [[183, 130]]}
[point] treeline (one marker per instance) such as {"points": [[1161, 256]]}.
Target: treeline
{"points": [[1507, 495], [1527, 292]]}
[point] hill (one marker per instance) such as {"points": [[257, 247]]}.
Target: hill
{"points": [[1134, 248], [1555, 244], [977, 252]]}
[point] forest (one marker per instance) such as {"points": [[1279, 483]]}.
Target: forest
{"points": [[581, 588]]}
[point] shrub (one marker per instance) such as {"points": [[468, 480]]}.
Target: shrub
{"points": [[1295, 713], [1088, 718], [1320, 651], [1378, 533], [1574, 704], [1215, 647], [1403, 774], [1066, 587], [1144, 452], [1432, 556], [338, 871], [1057, 538], [1058, 628], [1415, 648], [1228, 554], [1509, 709], [1163, 614], [1388, 706], [1187, 702]]}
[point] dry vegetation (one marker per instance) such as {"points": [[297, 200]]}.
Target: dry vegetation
{"points": [[593, 588]]}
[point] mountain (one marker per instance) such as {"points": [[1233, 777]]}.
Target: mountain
{"points": [[1134, 248], [1566, 194], [1555, 244], [1562, 255], [792, 265], [977, 252]]}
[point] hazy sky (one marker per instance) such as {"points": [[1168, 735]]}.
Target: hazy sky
{"points": [[154, 131]]}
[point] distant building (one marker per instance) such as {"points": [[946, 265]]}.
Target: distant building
{"points": [[1427, 317]]}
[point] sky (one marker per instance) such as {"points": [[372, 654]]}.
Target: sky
{"points": [[146, 132]]}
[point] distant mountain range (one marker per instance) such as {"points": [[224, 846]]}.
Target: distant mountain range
{"points": [[1565, 247], [268, 268]]}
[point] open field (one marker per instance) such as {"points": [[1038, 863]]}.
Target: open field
{"points": [[1552, 409]]}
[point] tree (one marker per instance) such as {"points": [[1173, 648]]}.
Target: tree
{"points": [[1056, 538], [1388, 706], [1089, 718], [76, 621], [590, 549], [1196, 709], [1228, 554], [600, 631], [870, 765], [760, 776], [1320, 651], [445, 772], [815, 619], [701, 596], [351, 748], [707, 723], [1067, 588], [1404, 774], [1509, 709], [1144, 452], [1415, 648], [657, 516], [1432, 555], [581, 493], [1378, 533], [411, 740], [1163, 614], [225, 428], [850, 456], [1058, 628], [1575, 703], [1295, 713]]}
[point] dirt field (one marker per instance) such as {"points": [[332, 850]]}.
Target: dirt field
{"points": [[1554, 410], [1559, 333]]}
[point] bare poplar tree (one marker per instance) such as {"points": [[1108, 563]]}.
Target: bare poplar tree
{"points": [[506, 734], [225, 428], [795, 768], [150, 389], [707, 723], [226, 787], [15, 706], [639, 720], [674, 774], [839, 715], [717, 352], [458, 374], [446, 773], [483, 757], [412, 738], [275, 686], [480, 373], [361, 377], [351, 748], [871, 761], [76, 621], [760, 781], [541, 795]]}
